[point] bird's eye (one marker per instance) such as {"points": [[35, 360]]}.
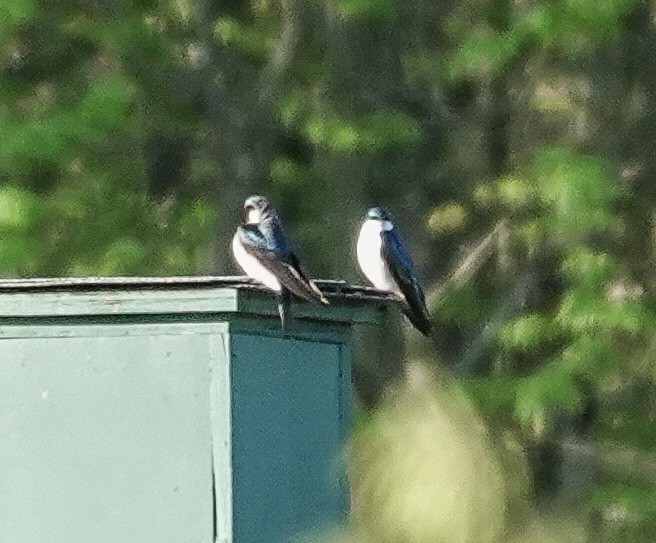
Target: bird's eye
{"points": [[388, 225]]}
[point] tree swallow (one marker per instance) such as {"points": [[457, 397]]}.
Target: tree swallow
{"points": [[386, 263], [261, 248]]}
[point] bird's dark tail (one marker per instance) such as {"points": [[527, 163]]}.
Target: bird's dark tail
{"points": [[419, 317], [285, 308]]}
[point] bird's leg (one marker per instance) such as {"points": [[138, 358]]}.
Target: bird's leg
{"points": [[284, 308]]}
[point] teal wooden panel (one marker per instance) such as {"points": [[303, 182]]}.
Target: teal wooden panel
{"points": [[288, 414], [106, 437], [221, 420]]}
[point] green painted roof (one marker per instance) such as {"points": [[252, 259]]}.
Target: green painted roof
{"points": [[76, 296]]}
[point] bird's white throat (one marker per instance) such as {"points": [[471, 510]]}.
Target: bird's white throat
{"points": [[254, 216]]}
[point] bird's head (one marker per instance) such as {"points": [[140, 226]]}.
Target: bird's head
{"points": [[380, 214], [256, 208]]}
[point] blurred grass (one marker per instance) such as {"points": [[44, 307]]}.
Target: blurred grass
{"points": [[426, 469]]}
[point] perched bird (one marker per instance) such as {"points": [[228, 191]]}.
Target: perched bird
{"points": [[386, 263], [262, 250]]}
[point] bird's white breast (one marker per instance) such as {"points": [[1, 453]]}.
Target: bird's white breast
{"points": [[252, 266], [370, 257]]}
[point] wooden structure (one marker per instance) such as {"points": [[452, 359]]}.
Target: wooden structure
{"points": [[148, 410]]}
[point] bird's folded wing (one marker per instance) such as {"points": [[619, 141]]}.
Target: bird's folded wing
{"points": [[284, 266], [402, 270]]}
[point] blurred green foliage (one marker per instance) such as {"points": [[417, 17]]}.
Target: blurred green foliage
{"points": [[514, 143]]}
